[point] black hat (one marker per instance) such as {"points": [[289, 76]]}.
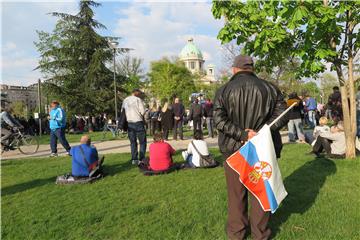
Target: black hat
{"points": [[243, 62]]}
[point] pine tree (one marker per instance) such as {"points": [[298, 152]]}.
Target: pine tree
{"points": [[74, 60]]}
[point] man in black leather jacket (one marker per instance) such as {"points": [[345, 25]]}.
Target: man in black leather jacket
{"points": [[241, 107]]}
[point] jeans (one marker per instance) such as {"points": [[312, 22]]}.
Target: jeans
{"points": [[136, 131], [210, 126], [56, 134], [295, 128], [312, 118], [178, 125]]}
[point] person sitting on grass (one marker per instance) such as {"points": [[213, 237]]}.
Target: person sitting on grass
{"points": [[195, 148], [160, 153], [322, 128], [333, 142], [85, 159]]}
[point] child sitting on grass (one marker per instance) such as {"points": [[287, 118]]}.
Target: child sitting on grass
{"points": [[322, 128]]}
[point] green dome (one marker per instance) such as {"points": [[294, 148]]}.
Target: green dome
{"points": [[191, 51]]}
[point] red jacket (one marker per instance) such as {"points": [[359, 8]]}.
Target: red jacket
{"points": [[160, 156]]}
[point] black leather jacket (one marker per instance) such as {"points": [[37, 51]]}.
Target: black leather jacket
{"points": [[247, 102]]}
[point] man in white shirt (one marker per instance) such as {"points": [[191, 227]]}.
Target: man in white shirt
{"points": [[134, 111]]}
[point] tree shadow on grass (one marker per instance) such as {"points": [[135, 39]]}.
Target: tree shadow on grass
{"points": [[303, 186], [26, 186]]}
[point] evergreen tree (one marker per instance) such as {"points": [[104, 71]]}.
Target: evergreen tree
{"points": [[73, 62]]}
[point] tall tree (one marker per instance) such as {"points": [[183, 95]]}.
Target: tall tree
{"points": [[73, 62], [316, 32], [171, 78], [131, 68], [327, 82]]}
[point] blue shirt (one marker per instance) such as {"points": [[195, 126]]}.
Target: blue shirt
{"points": [[57, 118], [311, 104], [79, 167]]}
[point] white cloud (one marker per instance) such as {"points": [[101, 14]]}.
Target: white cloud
{"points": [[155, 30], [9, 46], [19, 22]]}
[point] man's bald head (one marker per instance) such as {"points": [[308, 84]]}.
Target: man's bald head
{"points": [[85, 139]]}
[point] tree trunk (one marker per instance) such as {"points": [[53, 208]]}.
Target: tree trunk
{"points": [[348, 120]]}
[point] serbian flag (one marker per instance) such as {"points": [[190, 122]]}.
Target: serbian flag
{"points": [[258, 170]]}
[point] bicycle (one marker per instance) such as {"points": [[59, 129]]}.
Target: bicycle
{"points": [[26, 144], [113, 129]]}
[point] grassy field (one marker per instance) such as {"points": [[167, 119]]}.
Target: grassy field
{"points": [[323, 201], [100, 136]]}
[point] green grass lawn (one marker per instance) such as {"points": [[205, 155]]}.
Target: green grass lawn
{"points": [[323, 201], [99, 136]]}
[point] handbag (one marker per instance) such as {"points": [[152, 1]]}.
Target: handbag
{"points": [[123, 123], [205, 161]]}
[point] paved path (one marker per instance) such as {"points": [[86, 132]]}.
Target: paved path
{"points": [[115, 146]]}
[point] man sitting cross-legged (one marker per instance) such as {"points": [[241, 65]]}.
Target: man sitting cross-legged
{"points": [[85, 158]]}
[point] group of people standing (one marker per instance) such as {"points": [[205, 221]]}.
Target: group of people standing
{"points": [[173, 116], [156, 118]]}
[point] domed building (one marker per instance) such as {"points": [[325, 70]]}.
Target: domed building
{"points": [[194, 61]]}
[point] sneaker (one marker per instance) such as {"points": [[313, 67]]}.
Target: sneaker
{"points": [[68, 153], [53, 155], [135, 162]]}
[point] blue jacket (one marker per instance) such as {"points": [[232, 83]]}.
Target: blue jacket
{"points": [[57, 118], [311, 104], [79, 166]]}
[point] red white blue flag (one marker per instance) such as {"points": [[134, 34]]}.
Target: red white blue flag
{"points": [[258, 170]]}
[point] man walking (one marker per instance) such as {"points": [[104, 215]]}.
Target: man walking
{"points": [[134, 111], [196, 114], [57, 121], [208, 113], [241, 107], [179, 112]]}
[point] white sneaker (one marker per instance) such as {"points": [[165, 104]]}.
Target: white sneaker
{"points": [[53, 155], [135, 162]]}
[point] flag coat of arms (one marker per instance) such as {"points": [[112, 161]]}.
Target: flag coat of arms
{"points": [[258, 170]]}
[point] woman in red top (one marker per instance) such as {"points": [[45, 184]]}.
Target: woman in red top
{"points": [[160, 154]]}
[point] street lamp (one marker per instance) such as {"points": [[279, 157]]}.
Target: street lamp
{"points": [[113, 45]]}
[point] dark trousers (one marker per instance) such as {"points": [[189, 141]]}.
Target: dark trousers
{"points": [[238, 220], [178, 125], [56, 134], [322, 144], [197, 124], [166, 133], [155, 126], [136, 131]]}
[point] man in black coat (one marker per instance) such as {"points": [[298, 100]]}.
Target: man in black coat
{"points": [[196, 114], [241, 107]]}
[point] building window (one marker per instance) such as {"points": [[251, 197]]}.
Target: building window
{"points": [[210, 71], [192, 65], [200, 65]]}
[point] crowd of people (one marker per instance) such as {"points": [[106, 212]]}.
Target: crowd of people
{"points": [[241, 107], [317, 117]]}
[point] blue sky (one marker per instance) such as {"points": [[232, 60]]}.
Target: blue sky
{"points": [[153, 29]]}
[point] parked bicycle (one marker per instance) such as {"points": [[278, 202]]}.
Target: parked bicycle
{"points": [[111, 130], [27, 144]]}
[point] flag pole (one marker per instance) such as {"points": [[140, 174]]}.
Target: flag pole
{"points": [[282, 114]]}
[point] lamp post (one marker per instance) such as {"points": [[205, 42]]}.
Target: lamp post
{"points": [[113, 45]]}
